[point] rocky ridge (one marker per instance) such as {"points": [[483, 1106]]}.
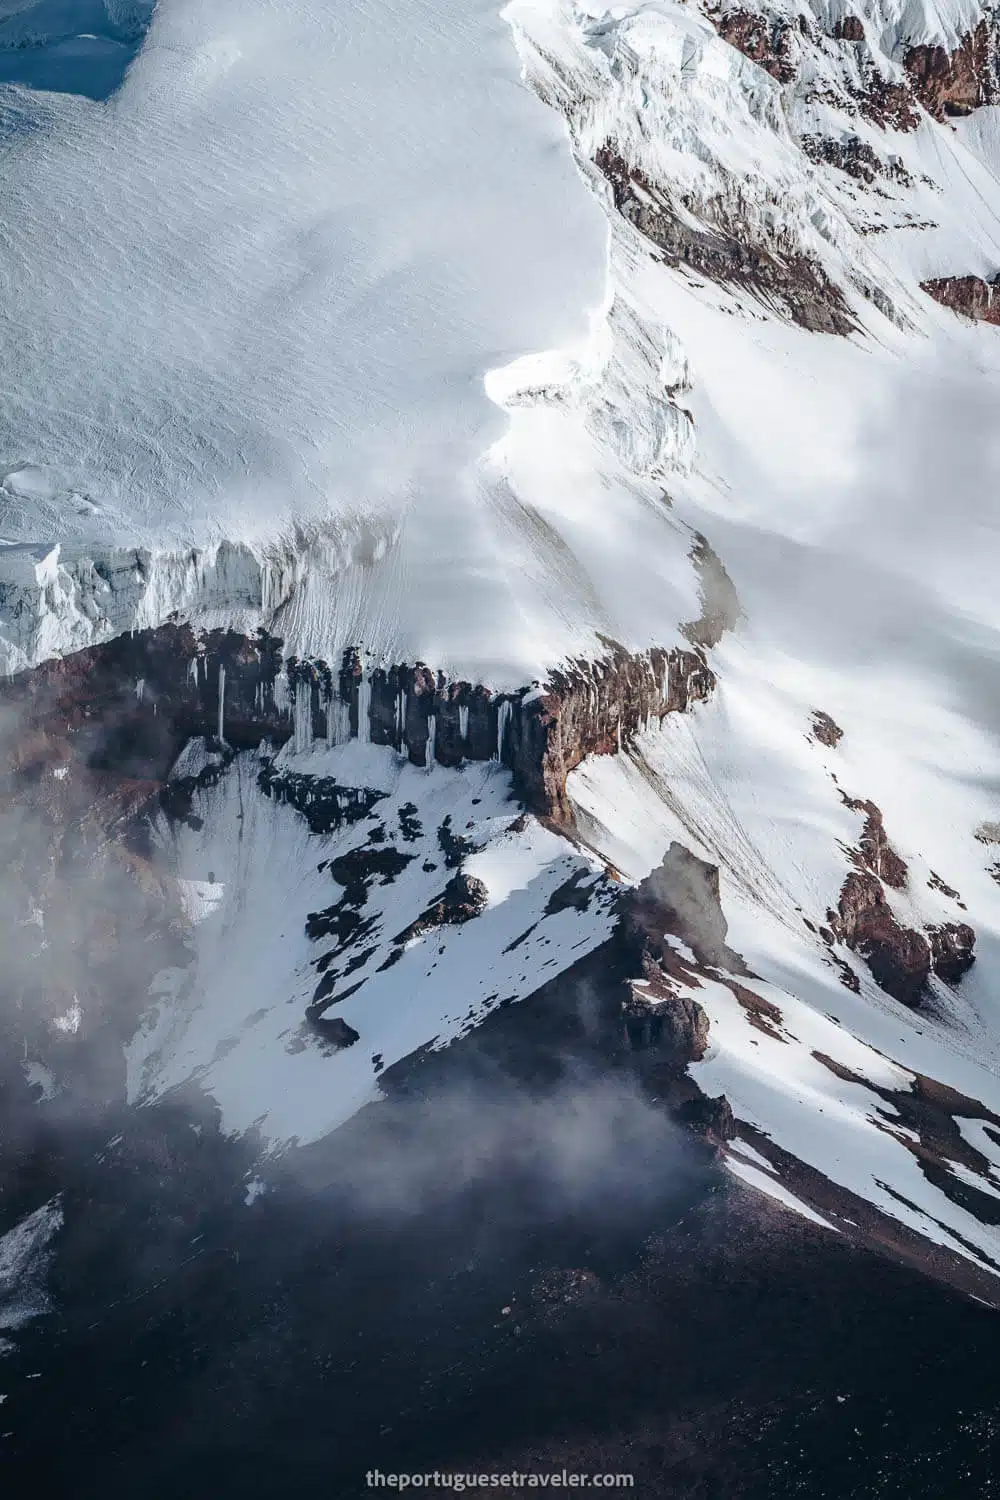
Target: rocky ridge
{"points": [[131, 704]]}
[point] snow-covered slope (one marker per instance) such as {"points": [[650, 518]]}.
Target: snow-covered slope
{"points": [[364, 928], [270, 293], [849, 486], [448, 335]]}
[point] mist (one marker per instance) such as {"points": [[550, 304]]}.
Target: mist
{"points": [[531, 1144]]}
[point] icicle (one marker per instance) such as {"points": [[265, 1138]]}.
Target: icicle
{"points": [[431, 740], [140, 688], [364, 711], [463, 723], [338, 722], [503, 719], [303, 717], [222, 702], [400, 714]]}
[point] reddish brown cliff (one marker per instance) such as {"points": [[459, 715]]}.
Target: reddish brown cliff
{"points": [[969, 296], [899, 957], [956, 83]]}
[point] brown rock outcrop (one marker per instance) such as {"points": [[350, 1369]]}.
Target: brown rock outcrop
{"points": [[874, 852], [850, 29], [778, 274], [854, 156], [956, 83], [899, 957], [886, 102], [826, 730], [655, 1016], [766, 41], [128, 707], [969, 296], [593, 709]]}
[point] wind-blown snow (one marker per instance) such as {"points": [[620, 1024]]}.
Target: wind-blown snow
{"points": [[261, 292]]}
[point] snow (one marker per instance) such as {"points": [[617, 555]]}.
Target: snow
{"points": [[731, 782], [199, 898], [38, 1076], [255, 1189], [233, 1021], [318, 322], [278, 268], [744, 1149], [70, 1021], [24, 1262], [848, 486], [766, 1184], [396, 385]]}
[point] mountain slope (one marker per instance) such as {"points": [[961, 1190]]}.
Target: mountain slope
{"points": [[680, 341]]}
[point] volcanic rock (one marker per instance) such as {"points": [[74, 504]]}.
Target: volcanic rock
{"points": [[898, 957]]}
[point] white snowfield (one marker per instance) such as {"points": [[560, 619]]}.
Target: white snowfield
{"points": [[259, 297], [317, 322]]}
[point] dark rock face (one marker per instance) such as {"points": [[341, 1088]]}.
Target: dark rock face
{"points": [[952, 945], [336, 1030], [777, 274], [969, 296], [129, 707], [714, 1117], [855, 157], [769, 43], [465, 896], [956, 83], [655, 1016], [885, 102], [899, 957], [322, 801], [678, 899], [662, 1022], [937, 884], [590, 708]]}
